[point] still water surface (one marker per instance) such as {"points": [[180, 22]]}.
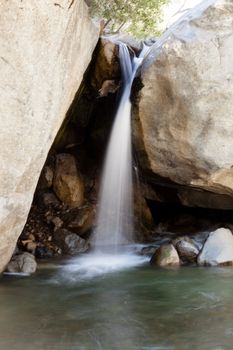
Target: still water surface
{"points": [[135, 308]]}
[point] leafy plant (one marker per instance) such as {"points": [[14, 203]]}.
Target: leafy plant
{"points": [[139, 17]]}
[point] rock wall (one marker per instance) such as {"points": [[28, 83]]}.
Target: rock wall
{"points": [[45, 49], [184, 113]]}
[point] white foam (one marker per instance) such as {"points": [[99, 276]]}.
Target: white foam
{"points": [[98, 264]]}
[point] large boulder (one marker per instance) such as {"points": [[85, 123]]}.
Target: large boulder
{"points": [[218, 249], [184, 111], [45, 50]]}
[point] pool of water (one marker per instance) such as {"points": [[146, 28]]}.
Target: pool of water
{"points": [[138, 307]]}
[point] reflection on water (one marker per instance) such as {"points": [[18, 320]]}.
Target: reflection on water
{"points": [[138, 308]]}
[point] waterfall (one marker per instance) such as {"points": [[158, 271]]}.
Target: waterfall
{"points": [[115, 209]]}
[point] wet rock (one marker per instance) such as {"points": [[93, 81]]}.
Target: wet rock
{"points": [[24, 262], [69, 242], [218, 249], [150, 250], [187, 249], [68, 184], [130, 41], [166, 255]]}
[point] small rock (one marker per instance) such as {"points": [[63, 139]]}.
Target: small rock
{"points": [[108, 86], [57, 222], [218, 249], [69, 242], [24, 262], [166, 255], [186, 249]]}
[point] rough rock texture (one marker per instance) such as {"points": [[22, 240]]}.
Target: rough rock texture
{"points": [[185, 109], [166, 255], [45, 50], [106, 65], [24, 262], [67, 183], [143, 220], [69, 242], [186, 249], [80, 221], [218, 249]]}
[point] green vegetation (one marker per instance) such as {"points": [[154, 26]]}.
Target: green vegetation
{"points": [[138, 17]]}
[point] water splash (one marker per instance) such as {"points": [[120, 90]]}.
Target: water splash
{"points": [[115, 212], [99, 264]]}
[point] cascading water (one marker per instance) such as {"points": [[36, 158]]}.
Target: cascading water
{"points": [[115, 215], [115, 212]]}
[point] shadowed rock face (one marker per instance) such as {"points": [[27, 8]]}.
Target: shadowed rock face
{"points": [[184, 113], [68, 183], [45, 50]]}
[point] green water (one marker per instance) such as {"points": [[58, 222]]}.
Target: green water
{"points": [[139, 308]]}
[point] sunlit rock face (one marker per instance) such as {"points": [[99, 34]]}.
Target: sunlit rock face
{"points": [[45, 50], [218, 249], [184, 114]]}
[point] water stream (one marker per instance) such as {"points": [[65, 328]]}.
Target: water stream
{"points": [[139, 308], [115, 210]]}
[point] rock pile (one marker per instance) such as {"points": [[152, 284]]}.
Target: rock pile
{"points": [[216, 250], [61, 216]]}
